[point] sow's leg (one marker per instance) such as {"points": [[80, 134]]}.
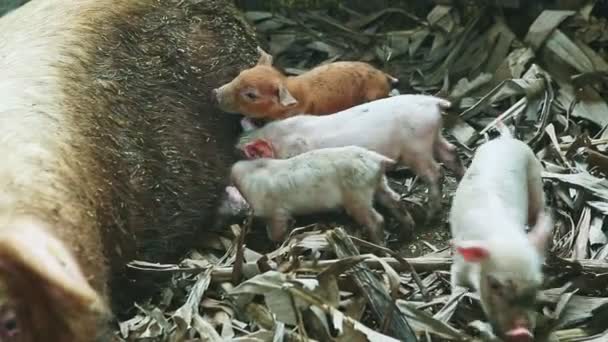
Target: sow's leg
{"points": [[110, 145]]}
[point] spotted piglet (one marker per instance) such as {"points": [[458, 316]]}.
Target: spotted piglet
{"points": [[317, 181]]}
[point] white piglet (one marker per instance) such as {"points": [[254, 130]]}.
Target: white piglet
{"points": [[405, 128], [499, 195], [317, 181]]}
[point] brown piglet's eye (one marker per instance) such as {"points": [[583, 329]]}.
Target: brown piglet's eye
{"points": [[251, 96]]}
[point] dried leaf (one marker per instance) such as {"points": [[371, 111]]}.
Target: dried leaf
{"points": [[317, 324], [255, 16], [463, 132], [579, 307], [596, 186], [590, 107], [601, 206], [564, 49], [544, 26], [597, 237], [258, 336], [580, 250], [205, 330], [270, 285], [134, 324], [518, 60], [393, 277], [328, 280], [331, 51], [422, 322], [339, 319], [451, 304], [399, 42], [440, 17], [280, 43], [184, 315], [503, 38], [418, 37], [464, 86]]}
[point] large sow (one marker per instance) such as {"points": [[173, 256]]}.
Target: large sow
{"points": [[110, 147]]}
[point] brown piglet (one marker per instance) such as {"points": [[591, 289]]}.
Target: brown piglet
{"points": [[263, 92]]}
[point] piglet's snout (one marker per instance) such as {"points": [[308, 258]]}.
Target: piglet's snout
{"points": [[519, 334]]}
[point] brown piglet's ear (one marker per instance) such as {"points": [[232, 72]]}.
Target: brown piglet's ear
{"points": [[285, 97], [265, 57]]}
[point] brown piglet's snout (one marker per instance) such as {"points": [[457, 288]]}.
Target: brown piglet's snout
{"points": [[222, 97]]}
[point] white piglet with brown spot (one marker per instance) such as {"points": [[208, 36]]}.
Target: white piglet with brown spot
{"points": [[499, 195], [317, 181]]}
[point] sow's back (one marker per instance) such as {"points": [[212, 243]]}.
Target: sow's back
{"points": [[111, 149]]}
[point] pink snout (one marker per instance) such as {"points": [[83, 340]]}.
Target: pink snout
{"points": [[519, 334]]}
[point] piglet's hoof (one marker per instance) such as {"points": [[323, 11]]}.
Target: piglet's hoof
{"points": [[406, 226], [406, 234], [432, 219], [433, 215]]}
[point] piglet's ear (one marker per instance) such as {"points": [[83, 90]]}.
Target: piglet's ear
{"points": [[472, 252], [259, 148], [285, 97], [250, 151], [265, 58]]}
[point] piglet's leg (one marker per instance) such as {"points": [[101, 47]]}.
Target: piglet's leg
{"points": [[457, 275], [277, 227], [361, 210], [430, 171], [536, 196], [391, 200], [447, 154], [463, 274]]}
